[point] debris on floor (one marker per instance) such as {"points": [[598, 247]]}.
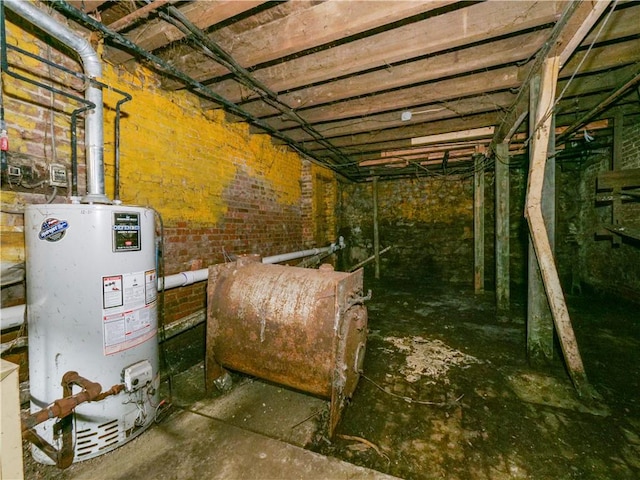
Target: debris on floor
{"points": [[429, 358]]}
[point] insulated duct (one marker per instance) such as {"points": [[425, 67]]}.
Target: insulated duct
{"points": [[93, 70]]}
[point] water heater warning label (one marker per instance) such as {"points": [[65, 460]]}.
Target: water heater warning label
{"points": [[129, 310], [112, 291], [126, 232]]}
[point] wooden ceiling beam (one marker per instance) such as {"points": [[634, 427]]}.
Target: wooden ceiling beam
{"points": [[501, 52], [474, 23], [157, 33], [515, 144], [477, 84], [440, 111], [313, 27], [600, 60], [136, 15], [425, 158], [401, 137]]}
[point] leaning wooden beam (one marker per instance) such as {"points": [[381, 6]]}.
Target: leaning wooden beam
{"points": [[369, 259], [575, 22], [538, 230]]}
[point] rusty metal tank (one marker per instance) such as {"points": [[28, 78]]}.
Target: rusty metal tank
{"points": [[298, 327]]}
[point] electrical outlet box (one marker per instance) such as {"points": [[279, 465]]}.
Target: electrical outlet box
{"points": [[14, 172], [137, 375], [57, 176]]}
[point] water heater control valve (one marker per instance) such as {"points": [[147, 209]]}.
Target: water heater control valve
{"points": [[137, 375]]}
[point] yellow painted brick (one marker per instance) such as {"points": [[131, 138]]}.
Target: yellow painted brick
{"points": [[174, 157]]}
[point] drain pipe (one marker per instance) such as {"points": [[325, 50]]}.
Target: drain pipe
{"points": [[94, 133]]}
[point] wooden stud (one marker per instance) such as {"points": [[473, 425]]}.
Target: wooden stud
{"points": [[539, 319], [502, 251], [376, 235], [478, 224]]}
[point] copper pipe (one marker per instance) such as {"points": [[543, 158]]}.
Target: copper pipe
{"points": [[63, 407]]}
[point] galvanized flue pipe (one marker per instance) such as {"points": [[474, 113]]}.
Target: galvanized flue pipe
{"points": [[94, 134]]}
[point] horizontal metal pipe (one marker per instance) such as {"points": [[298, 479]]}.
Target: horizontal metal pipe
{"points": [[14, 316], [183, 279], [284, 257]]}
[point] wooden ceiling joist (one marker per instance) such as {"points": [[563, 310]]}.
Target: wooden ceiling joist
{"points": [[434, 112], [399, 138], [494, 80], [269, 42], [157, 33], [485, 55], [475, 23]]}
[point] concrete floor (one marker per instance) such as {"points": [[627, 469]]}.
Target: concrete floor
{"points": [[447, 393], [256, 431]]}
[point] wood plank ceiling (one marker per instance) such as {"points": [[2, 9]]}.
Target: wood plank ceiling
{"points": [[387, 88]]}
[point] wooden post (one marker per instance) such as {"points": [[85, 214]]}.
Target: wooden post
{"points": [[478, 224], [542, 118], [618, 126], [502, 227], [376, 236], [539, 320]]}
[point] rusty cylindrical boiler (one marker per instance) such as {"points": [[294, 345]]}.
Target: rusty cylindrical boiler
{"points": [[297, 327]]}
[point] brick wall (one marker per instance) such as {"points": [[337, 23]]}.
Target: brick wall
{"points": [[631, 145]]}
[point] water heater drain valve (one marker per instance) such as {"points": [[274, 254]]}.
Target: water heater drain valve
{"points": [[137, 375]]}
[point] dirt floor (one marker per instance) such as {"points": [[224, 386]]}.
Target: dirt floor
{"points": [[447, 392]]}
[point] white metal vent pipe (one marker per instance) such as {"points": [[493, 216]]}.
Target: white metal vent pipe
{"points": [[285, 257], [183, 279], [14, 316], [94, 131]]}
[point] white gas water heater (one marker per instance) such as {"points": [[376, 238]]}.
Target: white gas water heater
{"points": [[91, 297], [92, 308]]}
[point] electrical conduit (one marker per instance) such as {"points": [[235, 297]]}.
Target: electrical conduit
{"points": [[94, 133]]}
